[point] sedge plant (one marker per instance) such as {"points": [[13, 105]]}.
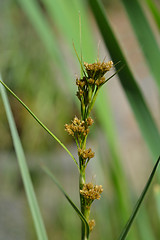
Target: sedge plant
{"points": [[93, 77]]}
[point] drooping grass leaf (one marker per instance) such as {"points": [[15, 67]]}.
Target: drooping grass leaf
{"points": [[50, 174], [145, 36], [33, 204], [37, 119], [142, 114], [138, 204]]}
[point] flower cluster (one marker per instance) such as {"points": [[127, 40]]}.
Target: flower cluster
{"points": [[86, 154], [91, 192], [91, 224], [90, 83], [79, 127], [98, 69]]}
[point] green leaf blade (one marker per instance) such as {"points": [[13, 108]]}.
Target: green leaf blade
{"points": [[40, 123], [142, 114], [138, 204], [33, 204], [145, 37], [50, 174]]}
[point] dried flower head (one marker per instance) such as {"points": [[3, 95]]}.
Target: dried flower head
{"points": [[79, 127], [98, 69], [91, 224], [91, 191], [86, 154], [89, 121]]}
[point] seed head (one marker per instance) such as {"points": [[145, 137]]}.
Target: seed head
{"points": [[86, 154], [98, 69], [91, 192], [91, 224], [78, 127]]}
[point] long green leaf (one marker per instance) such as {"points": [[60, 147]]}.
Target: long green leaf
{"points": [[37, 218], [155, 11], [133, 93], [44, 30], [145, 37], [157, 198], [50, 174], [69, 24], [138, 204], [37, 119]]}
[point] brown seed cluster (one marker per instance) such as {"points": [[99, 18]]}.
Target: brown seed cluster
{"points": [[91, 191], [78, 127], [86, 154], [93, 78], [91, 224], [98, 69]]}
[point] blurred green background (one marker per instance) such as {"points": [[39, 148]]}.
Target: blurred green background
{"points": [[38, 62]]}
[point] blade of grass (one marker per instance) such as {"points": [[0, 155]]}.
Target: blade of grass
{"points": [[37, 119], [147, 41], [157, 198], [155, 11], [33, 204], [69, 24], [142, 114], [138, 204], [50, 174], [145, 228], [44, 30]]}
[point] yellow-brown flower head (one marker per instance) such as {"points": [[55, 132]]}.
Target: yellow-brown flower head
{"points": [[98, 69], [91, 191], [78, 127], [91, 224], [89, 121], [86, 154]]}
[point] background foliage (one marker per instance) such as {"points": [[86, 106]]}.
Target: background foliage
{"points": [[38, 62]]}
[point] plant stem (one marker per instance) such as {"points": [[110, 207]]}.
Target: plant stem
{"points": [[82, 201]]}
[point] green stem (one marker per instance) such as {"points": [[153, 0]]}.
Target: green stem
{"points": [[92, 103], [82, 201]]}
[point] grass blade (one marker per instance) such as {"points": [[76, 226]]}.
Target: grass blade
{"points": [[50, 174], [37, 119], [138, 204], [155, 11], [69, 24], [146, 40], [37, 218], [143, 116], [44, 30]]}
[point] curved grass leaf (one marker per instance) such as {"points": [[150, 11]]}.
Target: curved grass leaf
{"points": [[50, 174], [138, 204], [145, 36], [143, 116], [37, 218], [37, 119]]}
